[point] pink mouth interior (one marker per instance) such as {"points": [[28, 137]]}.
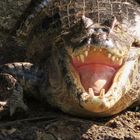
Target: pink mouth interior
{"points": [[96, 76], [96, 72]]}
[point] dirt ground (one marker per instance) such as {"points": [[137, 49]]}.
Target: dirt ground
{"points": [[49, 124], [41, 123]]}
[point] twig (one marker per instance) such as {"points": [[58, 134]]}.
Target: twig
{"points": [[35, 119]]}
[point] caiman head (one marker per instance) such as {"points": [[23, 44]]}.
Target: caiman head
{"points": [[102, 63]]}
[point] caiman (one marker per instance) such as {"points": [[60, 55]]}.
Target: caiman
{"points": [[89, 64]]}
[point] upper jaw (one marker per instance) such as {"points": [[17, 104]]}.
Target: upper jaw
{"points": [[83, 54]]}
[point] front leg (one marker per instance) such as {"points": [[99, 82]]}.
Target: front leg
{"points": [[11, 95]]}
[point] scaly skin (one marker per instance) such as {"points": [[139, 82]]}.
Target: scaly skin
{"points": [[92, 37]]}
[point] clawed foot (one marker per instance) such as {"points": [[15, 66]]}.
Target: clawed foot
{"points": [[16, 100], [11, 95]]}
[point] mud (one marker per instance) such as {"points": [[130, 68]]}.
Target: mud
{"points": [[42, 123]]}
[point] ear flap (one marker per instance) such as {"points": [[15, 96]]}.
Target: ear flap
{"points": [[87, 21]]}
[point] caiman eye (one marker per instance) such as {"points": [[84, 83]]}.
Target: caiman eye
{"points": [[83, 41]]}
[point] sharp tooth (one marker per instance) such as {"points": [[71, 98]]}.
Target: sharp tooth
{"points": [[120, 61], [72, 56], [78, 58], [88, 46], [102, 92], [3, 103], [100, 50], [117, 59], [91, 92], [109, 55], [113, 58], [86, 53], [82, 57], [85, 96], [94, 49]]}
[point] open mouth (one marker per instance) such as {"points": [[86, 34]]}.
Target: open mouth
{"points": [[96, 69], [104, 77]]}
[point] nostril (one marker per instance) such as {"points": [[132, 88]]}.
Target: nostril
{"points": [[102, 30], [107, 30]]}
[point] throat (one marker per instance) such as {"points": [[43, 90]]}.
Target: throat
{"points": [[96, 76]]}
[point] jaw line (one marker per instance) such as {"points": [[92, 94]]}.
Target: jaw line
{"points": [[121, 84]]}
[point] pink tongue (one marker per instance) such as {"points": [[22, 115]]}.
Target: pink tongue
{"points": [[96, 76]]}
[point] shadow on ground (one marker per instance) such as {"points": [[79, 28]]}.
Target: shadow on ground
{"points": [[45, 124]]}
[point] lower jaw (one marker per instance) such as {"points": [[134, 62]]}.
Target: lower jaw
{"points": [[104, 101]]}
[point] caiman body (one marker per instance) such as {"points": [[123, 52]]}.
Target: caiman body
{"points": [[87, 58]]}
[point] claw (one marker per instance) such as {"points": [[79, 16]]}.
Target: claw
{"points": [[16, 100]]}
